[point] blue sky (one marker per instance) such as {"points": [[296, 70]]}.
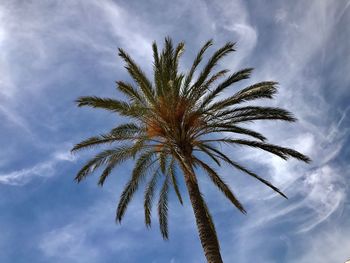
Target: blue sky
{"points": [[55, 51]]}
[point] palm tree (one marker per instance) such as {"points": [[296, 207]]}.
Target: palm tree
{"points": [[172, 120]]}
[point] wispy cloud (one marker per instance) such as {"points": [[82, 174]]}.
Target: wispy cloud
{"points": [[329, 245], [49, 37], [43, 169], [78, 236], [72, 241], [234, 17]]}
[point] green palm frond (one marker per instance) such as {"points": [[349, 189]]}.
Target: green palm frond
{"points": [[219, 54], [225, 158], [172, 174], [138, 75], [223, 187], [207, 84], [220, 127], [133, 110], [117, 155], [163, 209], [195, 64], [163, 159], [242, 114], [215, 77], [257, 91], [104, 103], [203, 149], [139, 171], [126, 131], [131, 92], [282, 152], [178, 53], [157, 69], [238, 76], [93, 164], [93, 141], [148, 198]]}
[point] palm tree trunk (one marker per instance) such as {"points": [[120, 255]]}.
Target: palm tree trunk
{"points": [[206, 231]]}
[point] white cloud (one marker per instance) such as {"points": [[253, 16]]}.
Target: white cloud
{"points": [[329, 245], [50, 33], [128, 28], [233, 16], [68, 243], [77, 238], [325, 192], [281, 15], [6, 85], [43, 169]]}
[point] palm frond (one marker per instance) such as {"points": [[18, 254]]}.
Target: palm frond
{"points": [[139, 171], [223, 127], [282, 152], [219, 54], [148, 198], [260, 90], [118, 157], [177, 54], [207, 152], [93, 141], [241, 168], [167, 62], [113, 105], [134, 110], [238, 76], [138, 75], [155, 55], [93, 164], [131, 92], [215, 77], [172, 173], [163, 209], [195, 64], [117, 154], [157, 69], [223, 187], [163, 159], [250, 113], [122, 132], [200, 91]]}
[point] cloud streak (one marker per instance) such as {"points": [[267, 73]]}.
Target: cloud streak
{"points": [[43, 169]]}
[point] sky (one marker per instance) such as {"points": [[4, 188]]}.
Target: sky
{"points": [[55, 51]]}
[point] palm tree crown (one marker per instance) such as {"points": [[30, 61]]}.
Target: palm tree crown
{"points": [[174, 117]]}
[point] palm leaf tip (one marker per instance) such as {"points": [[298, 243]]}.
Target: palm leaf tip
{"points": [[81, 101], [77, 179], [92, 101], [282, 152]]}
